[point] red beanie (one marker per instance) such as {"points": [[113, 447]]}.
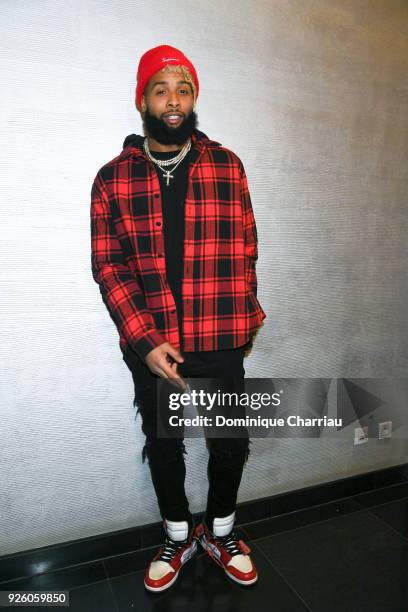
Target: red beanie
{"points": [[155, 59]]}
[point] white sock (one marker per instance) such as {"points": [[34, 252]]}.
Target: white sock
{"points": [[176, 530], [223, 526]]}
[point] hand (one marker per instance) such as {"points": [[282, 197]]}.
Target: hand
{"points": [[163, 361]]}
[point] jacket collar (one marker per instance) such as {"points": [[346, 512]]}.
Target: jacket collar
{"points": [[133, 145]]}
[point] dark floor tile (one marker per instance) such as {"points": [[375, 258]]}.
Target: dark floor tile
{"points": [[92, 598], [70, 553], [294, 520], [127, 564], [353, 563], [96, 597], [67, 578], [202, 586], [395, 514], [381, 496], [265, 508]]}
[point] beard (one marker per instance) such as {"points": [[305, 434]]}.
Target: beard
{"points": [[160, 131]]}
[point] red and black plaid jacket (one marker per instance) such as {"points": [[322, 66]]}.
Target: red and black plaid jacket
{"points": [[219, 289]]}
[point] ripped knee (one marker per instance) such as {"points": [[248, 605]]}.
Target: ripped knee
{"points": [[143, 396], [161, 452]]}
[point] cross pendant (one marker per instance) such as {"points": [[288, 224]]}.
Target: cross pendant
{"points": [[167, 175]]}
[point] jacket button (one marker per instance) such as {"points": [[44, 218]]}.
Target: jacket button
{"points": [[172, 311], [158, 223], [156, 195]]}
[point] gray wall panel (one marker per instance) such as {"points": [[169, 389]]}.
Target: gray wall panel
{"points": [[312, 95]]}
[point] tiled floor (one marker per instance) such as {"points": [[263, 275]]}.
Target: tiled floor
{"points": [[347, 556]]}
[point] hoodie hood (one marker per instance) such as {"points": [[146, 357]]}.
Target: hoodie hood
{"points": [[199, 139]]}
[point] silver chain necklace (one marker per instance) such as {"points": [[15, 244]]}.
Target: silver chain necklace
{"points": [[163, 163]]}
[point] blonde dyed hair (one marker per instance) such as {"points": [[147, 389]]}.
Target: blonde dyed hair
{"points": [[186, 74]]}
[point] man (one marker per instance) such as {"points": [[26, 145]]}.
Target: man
{"points": [[174, 247]]}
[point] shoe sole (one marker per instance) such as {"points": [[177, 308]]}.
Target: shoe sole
{"points": [[243, 582], [234, 578], [173, 580]]}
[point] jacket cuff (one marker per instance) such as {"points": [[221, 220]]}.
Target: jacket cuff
{"points": [[147, 343]]}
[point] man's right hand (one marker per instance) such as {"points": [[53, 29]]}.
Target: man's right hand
{"points": [[163, 361]]}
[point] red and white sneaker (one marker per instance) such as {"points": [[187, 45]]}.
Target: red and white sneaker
{"points": [[178, 548], [230, 553]]}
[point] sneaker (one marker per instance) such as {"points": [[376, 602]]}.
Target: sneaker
{"points": [[178, 548], [230, 553]]}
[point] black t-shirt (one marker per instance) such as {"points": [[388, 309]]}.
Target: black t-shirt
{"points": [[173, 196]]}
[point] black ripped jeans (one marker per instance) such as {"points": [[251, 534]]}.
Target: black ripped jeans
{"points": [[227, 456]]}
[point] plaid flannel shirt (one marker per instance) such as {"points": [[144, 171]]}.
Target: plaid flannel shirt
{"points": [[219, 286]]}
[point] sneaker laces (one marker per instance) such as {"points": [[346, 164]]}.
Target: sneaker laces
{"points": [[170, 548], [230, 543]]}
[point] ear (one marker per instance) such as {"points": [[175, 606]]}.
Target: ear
{"points": [[143, 104]]}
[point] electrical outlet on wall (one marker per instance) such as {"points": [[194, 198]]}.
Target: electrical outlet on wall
{"points": [[385, 430], [360, 435]]}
